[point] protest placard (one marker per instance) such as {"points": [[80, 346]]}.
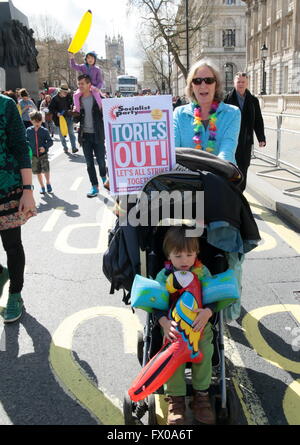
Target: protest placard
{"points": [[139, 139]]}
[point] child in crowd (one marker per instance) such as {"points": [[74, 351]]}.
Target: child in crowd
{"points": [[182, 254], [95, 73], [40, 141], [27, 106]]}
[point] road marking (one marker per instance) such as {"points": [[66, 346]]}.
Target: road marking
{"points": [[71, 375], [76, 184], [107, 219], [283, 231], [291, 403], [268, 242], [161, 409], [53, 219], [63, 245], [245, 391], [254, 337]]}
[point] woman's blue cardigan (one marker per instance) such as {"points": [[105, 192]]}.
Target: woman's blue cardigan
{"points": [[228, 129]]}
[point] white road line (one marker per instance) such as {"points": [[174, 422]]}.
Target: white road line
{"points": [[107, 222], [76, 184], [53, 219]]}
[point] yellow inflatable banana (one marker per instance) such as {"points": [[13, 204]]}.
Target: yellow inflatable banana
{"points": [[81, 33], [63, 126]]}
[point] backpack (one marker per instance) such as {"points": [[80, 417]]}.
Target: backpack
{"points": [[121, 260]]}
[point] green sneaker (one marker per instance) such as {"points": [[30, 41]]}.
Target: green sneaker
{"points": [[14, 308], [4, 277]]}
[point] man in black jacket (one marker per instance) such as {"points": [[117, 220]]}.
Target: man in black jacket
{"points": [[252, 120], [62, 104], [91, 133]]}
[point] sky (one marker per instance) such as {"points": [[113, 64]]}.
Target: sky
{"points": [[109, 17]]}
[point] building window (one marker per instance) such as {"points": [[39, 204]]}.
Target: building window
{"points": [[277, 38], [210, 39], [269, 8], [274, 80], [228, 75], [286, 80], [229, 2], [289, 34], [228, 37]]}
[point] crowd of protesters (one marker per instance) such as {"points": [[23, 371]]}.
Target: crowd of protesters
{"points": [[238, 116]]}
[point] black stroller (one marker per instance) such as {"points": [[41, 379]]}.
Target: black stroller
{"points": [[229, 227]]}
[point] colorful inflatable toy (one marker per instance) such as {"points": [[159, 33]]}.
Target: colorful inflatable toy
{"points": [[81, 33], [221, 288], [148, 294], [162, 366], [63, 126]]}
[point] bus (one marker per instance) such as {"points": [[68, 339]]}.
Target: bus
{"points": [[127, 85]]}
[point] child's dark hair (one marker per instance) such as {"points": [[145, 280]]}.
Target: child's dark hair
{"points": [[23, 92], [36, 116], [86, 77], [176, 240]]}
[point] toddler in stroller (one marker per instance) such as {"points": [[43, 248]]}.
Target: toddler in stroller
{"points": [[182, 255]]}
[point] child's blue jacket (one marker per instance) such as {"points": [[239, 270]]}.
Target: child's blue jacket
{"points": [[228, 129], [44, 139]]}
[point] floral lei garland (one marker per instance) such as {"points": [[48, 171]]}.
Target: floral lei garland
{"points": [[212, 126]]}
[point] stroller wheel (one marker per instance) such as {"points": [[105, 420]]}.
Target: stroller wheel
{"points": [[140, 347], [129, 408], [152, 420]]}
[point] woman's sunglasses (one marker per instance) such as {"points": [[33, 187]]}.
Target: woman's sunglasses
{"points": [[207, 80]]}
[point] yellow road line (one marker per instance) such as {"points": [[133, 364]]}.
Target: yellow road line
{"points": [[282, 230], [269, 242], [291, 403], [70, 374], [250, 324]]}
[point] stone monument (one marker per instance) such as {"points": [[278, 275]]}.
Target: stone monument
{"points": [[17, 50]]}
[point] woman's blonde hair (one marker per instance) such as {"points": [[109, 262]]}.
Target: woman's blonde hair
{"points": [[189, 86]]}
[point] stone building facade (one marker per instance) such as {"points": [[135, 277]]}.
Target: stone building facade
{"points": [[110, 73], [277, 24], [223, 41], [150, 77], [114, 50]]}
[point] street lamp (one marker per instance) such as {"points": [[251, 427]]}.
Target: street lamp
{"points": [[168, 32], [187, 35], [264, 55]]}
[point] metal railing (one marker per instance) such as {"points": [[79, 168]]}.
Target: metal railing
{"points": [[278, 164]]}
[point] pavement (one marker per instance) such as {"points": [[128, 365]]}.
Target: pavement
{"points": [[270, 188], [270, 191]]}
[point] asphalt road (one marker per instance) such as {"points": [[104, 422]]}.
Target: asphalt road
{"points": [[73, 354]]}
